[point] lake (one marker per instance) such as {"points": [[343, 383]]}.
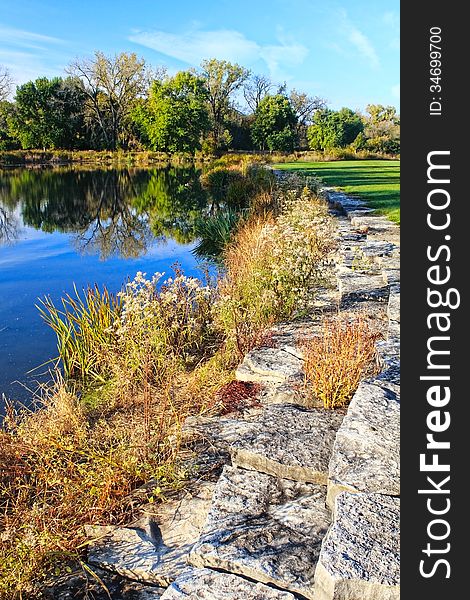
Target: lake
{"points": [[64, 226]]}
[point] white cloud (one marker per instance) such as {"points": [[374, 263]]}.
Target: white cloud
{"points": [[363, 46], [26, 39], [29, 55], [284, 55], [195, 45], [359, 41]]}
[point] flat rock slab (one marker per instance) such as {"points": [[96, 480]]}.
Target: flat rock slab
{"points": [[360, 556], [271, 365], [206, 584], [357, 287], [289, 335], [393, 309], [286, 441], [377, 223], [346, 202], [394, 329], [389, 351], [366, 453], [265, 528], [281, 393], [157, 549]]}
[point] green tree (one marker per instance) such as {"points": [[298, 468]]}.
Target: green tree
{"points": [[274, 124], [382, 128], [222, 80], [48, 113], [7, 141], [175, 116], [113, 85], [334, 129]]}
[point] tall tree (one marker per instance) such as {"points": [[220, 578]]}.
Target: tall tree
{"points": [[382, 121], [382, 129], [304, 107], [222, 80], [175, 116], [274, 124], [6, 83], [334, 129], [255, 89], [48, 113], [112, 85]]}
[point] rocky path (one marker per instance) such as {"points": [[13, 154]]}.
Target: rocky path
{"points": [[307, 504]]}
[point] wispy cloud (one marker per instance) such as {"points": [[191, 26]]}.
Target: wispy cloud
{"points": [[360, 42], [26, 39], [278, 57], [194, 45], [364, 46], [29, 55]]}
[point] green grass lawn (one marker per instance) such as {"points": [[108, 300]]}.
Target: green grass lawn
{"points": [[377, 182]]}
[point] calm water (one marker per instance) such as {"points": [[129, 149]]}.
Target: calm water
{"points": [[63, 226]]}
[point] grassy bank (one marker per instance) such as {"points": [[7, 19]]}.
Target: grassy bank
{"points": [[87, 157], [144, 157], [136, 364], [375, 181]]}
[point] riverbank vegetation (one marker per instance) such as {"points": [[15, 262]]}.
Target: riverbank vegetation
{"points": [[132, 366], [122, 103]]}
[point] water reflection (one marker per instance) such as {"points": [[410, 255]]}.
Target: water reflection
{"points": [[111, 212]]}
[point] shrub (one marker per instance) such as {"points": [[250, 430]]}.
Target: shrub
{"points": [[218, 180], [337, 360], [236, 184], [138, 335], [215, 233], [273, 267]]}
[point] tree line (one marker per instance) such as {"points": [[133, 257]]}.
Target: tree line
{"points": [[120, 102]]}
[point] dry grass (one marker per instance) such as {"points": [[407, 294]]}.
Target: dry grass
{"points": [[65, 466], [337, 360]]}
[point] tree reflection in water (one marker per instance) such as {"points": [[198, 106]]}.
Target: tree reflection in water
{"points": [[110, 212]]}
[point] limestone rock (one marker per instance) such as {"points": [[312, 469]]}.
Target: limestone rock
{"points": [[267, 364], [281, 393], [393, 329], [360, 556], [389, 352], [156, 549], [288, 442], [264, 528], [357, 287], [379, 224], [393, 308], [366, 453], [206, 584]]}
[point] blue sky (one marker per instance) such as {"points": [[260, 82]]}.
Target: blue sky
{"points": [[346, 52]]}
